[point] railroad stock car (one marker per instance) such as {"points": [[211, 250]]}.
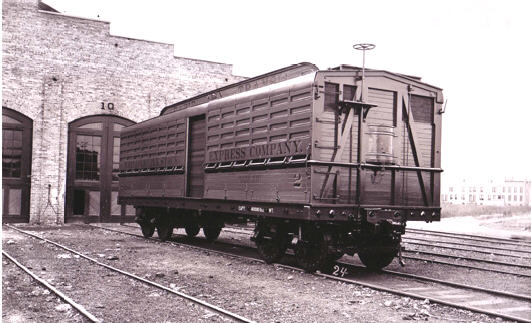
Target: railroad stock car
{"points": [[327, 162]]}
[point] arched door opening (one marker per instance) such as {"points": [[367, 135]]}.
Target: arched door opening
{"points": [[17, 132], [92, 175]]}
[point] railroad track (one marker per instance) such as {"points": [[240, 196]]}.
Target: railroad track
{"points": [[523, 254], [413, 255], [52, 289], [468, 266], [458, 257], [471, 237], [442, 262], [467, 298], [211, 307], [493, 241], [481, 300], [444, 282]]}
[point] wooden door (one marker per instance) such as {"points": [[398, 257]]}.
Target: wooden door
{"points": [[196, 156], [17, 132], [92, 179]]}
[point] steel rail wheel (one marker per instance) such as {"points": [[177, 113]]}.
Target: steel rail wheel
{"points": [[312, 253], [272, 247], [335, 256], [192, 229], [378, 257], [147, 230], [164, 231], [211, 232]]}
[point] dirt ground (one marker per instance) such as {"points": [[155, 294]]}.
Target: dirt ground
{"points": [[25, 300], [260, 292]]}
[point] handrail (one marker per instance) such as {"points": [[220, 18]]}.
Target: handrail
{"points": [[257, 162], [178, 169], [225, 165], [240, 164], [151, 171], [210, 166], [275, 162], [294, 160], [374, 166]]}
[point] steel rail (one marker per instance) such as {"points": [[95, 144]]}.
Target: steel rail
{"points": [[464, 236], [43, 282], [244, 231], [155, 240], [466, 266], [430, 298], [378, 287], [412, 295], [444, 282], [501, 263], [405, 239], [241, 231], [143, 280], [467, 245], [502, 293], [463, 249]]}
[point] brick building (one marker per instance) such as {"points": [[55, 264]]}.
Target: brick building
{"points": [[68, 88]]}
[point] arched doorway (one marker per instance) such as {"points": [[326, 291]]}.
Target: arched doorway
{"points": [[17, 132], [92, 170]]}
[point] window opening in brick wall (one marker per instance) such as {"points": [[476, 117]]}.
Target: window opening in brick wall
{"points": [[11, 153], [88, 157]]}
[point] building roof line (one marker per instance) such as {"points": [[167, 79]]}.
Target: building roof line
{"points": [[57, 13]]}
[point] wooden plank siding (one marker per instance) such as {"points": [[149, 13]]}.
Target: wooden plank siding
{"points": [[411, 188], [161, 145], [382, 187], [267, 118], [384, 112], [153, 186], [266, 185], [304, 109], [330, 127], [276, 116], [377, 187]]}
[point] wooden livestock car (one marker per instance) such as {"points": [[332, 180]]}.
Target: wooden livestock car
{"points": [[321, 160]]}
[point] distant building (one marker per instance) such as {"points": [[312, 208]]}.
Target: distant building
{"points": [[510, 192]]}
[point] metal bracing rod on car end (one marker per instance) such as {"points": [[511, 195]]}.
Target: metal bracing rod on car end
{"points": [[363, 47]]}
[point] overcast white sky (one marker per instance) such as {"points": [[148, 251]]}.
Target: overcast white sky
{"points": [[479, 52]]}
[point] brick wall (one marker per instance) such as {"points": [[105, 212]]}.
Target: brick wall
{"points": [[57, 68]]}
